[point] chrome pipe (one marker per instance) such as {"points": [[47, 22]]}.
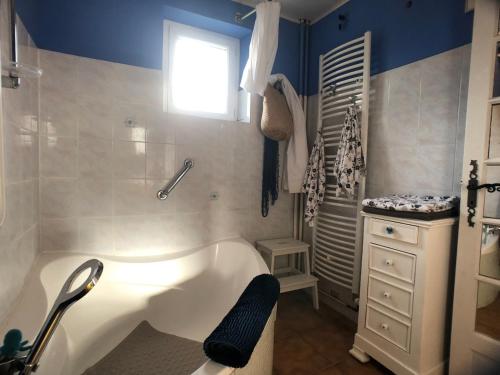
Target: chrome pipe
{"points": [[10, 81], [239, 18], [163, 193]]}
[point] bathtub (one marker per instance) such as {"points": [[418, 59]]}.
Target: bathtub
{"points": [[186, 294]]}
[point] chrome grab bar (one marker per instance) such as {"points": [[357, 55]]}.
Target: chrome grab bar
{"points": [[163, 193]]}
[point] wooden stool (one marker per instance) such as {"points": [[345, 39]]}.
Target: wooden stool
{"points": [[290, 277]]}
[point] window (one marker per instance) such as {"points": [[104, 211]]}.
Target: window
{"points": [[201, 72]]}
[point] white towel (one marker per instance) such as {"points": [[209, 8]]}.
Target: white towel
{"points": [[296, 154], [315, 179], [350, 162], [263, 48]]}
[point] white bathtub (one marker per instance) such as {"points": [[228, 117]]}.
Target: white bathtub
{"points": [[186, 294]]}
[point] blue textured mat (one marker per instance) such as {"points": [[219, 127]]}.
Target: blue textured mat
{"points": [[233, 341]]}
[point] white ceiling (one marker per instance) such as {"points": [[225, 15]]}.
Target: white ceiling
{"points": [[312, 10]]}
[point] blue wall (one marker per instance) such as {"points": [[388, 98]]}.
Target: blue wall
{"points": [[131, 31], [400, 35]]}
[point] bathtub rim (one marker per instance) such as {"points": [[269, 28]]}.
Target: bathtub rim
{"points": [[44, 258]]}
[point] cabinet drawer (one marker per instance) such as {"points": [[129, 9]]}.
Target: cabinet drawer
{"points": [[393, 330], [390, 296], [395, 231], [392, 262]]}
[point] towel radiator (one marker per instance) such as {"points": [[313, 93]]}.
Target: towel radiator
{"points": [[338, 234]]}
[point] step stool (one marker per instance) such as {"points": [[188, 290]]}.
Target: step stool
{"points": [[290, 277]]}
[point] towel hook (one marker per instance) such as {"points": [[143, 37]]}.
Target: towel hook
{"points": [[331, 89]]}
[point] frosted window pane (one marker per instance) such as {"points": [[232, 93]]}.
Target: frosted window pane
{"points": [[200, 74]]}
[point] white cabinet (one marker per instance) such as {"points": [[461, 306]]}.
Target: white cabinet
{"points": [[404, 308]]}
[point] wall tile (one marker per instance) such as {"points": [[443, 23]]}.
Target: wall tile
{"points": [[130, 197], [403, 105], [138, 85], [59, 157], [129, 159], [129, 122], [416, 126], [95, 197], [29, 193], [19, 229], [191, 130], [12, 225], [154, 206], [59, 234], [58, 113], [59, 197], [96, 235], [22, 105], [145, 235], [95, 119], [59, 73], [13, 152], [441, 73], [435, 170], [95, 79], [192, 229], [120, 169], [160, 127], [29, 154], [95, 157], [438, 124], [160, 161]]}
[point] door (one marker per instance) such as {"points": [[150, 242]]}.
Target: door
{"points": [[475, 340]]}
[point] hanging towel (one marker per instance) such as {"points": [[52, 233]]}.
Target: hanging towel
{"points": [[270, 175], [350, 163], [263, 48], [296, 154], [315, 179]]}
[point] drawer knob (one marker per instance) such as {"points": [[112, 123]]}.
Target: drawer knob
{"points": [[387, 295], [389, 230], [389, 262], [385, 326]]}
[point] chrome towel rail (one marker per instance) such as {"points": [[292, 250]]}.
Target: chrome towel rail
{"points": [[163, 193]]}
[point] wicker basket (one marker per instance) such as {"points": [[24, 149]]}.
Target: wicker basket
{"points": [[277, 122]]}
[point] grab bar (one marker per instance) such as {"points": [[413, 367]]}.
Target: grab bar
{"points": [[163, 193]]}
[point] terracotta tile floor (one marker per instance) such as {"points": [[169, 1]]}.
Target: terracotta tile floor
{"points": [[308, 342]]}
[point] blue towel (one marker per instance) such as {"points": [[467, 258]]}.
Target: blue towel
{"points": [[233, 341]]}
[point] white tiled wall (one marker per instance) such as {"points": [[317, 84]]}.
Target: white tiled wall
{"points": [[417, 125], [19, 231], [100, 176]]}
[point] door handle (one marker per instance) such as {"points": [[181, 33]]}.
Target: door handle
{"points": [[473, 186]]}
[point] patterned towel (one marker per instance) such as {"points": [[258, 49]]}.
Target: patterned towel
{"points": [[413, 203], [315, 179], [350, 162]]}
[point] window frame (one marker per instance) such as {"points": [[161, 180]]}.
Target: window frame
{"points": [[171, 31]]}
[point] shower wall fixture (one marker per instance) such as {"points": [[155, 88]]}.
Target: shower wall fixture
{"points": [[16, 70], [337, 239], [167, 189]]}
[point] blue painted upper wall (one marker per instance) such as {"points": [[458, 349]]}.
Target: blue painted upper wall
{"points": [[131, 31], [400, 35]]}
